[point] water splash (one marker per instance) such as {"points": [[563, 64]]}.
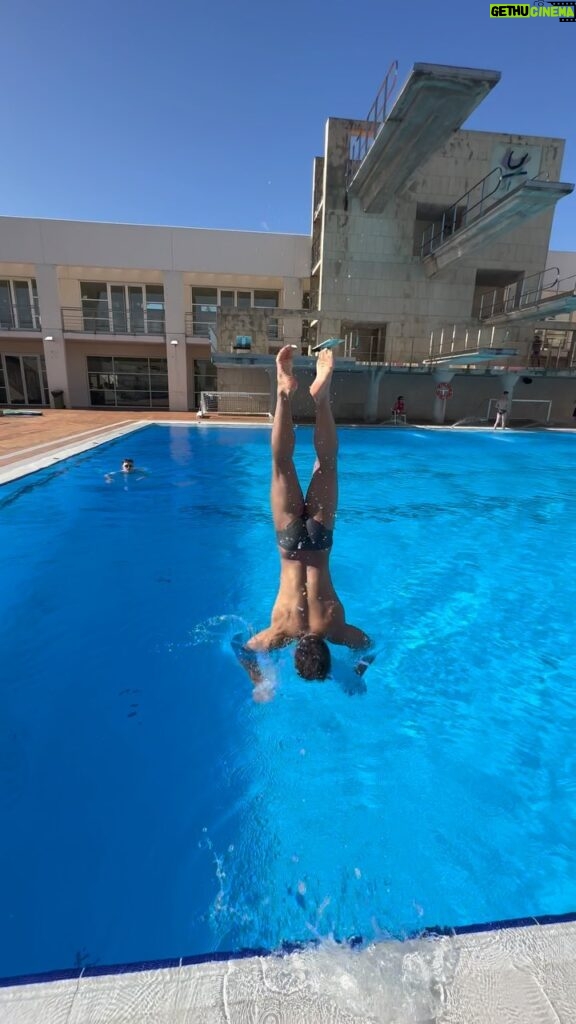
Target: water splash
{"points": [[219, 629]]}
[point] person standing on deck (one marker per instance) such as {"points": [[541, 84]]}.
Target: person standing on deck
{"points": [[502, 410]]}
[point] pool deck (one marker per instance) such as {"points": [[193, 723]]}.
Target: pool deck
{"points": [[56, 427], [509, 976]]}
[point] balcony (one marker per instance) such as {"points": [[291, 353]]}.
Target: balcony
{"points": [[266, 328], [21, 317], [102, 319]]}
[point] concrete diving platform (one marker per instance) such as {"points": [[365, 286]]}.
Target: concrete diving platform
{"points": [[471, 356], [434, 102], [507, 213]]}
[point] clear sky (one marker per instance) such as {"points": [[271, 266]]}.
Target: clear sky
{"points": [[208, 114]]}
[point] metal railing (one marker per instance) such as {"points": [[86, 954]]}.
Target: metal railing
{"points": [[103, 319], [450, 338], [205, 321], [462, 213], [19, 317], [362, 141], [529, 291]]}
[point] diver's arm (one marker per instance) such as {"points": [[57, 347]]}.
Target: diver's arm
{"points": [[247, 653], [355, 638], [358, 640], [248, 657]]}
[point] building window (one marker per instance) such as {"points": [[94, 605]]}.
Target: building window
{"points": [[23, 380], [207, 301], [19, 305], [122, 308], [115, 381]]}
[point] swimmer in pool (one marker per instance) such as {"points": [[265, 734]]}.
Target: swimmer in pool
{"points": [[307, 610], [127, 467]]}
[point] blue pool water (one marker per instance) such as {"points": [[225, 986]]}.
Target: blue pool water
{"points": [[151, 809]]}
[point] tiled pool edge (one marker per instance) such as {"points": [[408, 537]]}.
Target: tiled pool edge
{"points": [[493, 977], [434, 932]]}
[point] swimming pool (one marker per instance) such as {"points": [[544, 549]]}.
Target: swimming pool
{"points": [[151, 809]]}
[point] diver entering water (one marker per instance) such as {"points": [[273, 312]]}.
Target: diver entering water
{"points": [[307, 609]]}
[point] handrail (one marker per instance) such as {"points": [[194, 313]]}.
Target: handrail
{"points": [[376, 116], [460, 207], [104, 319], [517, 296], [445, 339]]}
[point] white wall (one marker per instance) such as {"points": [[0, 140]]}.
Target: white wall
{"points": [[83, 244], [565, 261]]}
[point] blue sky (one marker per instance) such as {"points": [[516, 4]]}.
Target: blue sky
{"points": [[210, 114]]}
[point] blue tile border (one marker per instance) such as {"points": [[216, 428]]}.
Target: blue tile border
{"points": [[436, 931]]}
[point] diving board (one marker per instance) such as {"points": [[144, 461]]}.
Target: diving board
{"points": [[434, 102], [546, 306], [471, 356], [507, 213]]}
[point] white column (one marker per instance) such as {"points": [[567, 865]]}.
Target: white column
{"points": [[51, 319], [440, 377], [371, 413], [271, 374], [509, 382], [176, 341]]}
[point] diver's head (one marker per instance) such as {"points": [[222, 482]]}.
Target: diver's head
{"points": [[128, 466], [312, 657]]}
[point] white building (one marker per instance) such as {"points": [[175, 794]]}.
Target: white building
{"points": [[123, 315]]}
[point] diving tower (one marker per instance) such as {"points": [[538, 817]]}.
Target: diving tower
{"points": [[434, 102]]}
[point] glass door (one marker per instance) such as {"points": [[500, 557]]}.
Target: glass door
{"points": [[23, 305], [24, 379], [32, 379], [118, 307], [95, 307], [136, 307], [15, 380], [155, 309], [6, 315]]}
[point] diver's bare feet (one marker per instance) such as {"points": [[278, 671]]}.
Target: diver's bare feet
{"points": [[320, 388], [286, 381]]}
